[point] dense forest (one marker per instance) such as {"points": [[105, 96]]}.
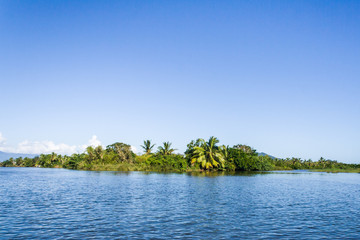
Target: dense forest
{"points": [[200, 155]]}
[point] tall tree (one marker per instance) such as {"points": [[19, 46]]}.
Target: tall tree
{"points": [[122, 150], [147, 146], [246, 149], [91, 154], [166, 149], [208, 154], [191, 148], [99, 152]]}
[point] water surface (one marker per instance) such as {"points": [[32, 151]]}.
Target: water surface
{"points": [[40, 203]]}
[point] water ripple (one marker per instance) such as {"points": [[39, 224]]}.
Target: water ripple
{"points": [[64, 204]]}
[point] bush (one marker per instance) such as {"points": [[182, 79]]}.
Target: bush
{"points": [[167, 162]]}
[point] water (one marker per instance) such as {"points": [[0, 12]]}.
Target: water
{"points": [[60, 204]]}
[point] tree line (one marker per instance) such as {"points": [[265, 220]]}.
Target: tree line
{"points": [[200, 155]]}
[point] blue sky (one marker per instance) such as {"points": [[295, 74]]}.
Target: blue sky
{"points": [[280, 76]]}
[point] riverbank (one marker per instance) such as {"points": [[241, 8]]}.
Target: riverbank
{"points": [[145, 168], [199, 156], [329, 170], [126, 167]]}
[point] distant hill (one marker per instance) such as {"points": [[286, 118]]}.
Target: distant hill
{"points": [[5, 156], [265, 154]]}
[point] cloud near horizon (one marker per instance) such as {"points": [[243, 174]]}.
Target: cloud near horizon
{"points": [[38, 147], [45, 147]]}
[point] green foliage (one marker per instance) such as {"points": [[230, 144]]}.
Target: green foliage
{"points": [[245, 158], [190, 150], [208, 155], [120, 152], [166, 149], [199, 155], [298, 163], [8, 163], [148, 146], [30, 162], [162, 162], [246, 149], [74, 160], [19, 162], [229, 158]]}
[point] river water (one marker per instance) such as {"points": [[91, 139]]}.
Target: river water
{"points": [[38, 203]]}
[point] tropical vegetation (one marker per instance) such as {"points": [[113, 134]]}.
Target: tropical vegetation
{"points": [[200, 155]]}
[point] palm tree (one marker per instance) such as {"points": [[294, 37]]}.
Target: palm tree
{"points": [[91, 153], [208, 154], [147, 146], [99, 152], [53, 158], [225, 150], [166, 150]]}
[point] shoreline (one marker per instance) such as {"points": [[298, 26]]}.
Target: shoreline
{"points": [[115, 168]]}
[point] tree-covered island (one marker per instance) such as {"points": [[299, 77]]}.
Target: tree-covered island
{"points": [[200, 155]]}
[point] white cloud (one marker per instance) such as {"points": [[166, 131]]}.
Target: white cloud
{"points": [[44, 147], [133, 149], [93, 141], [38, 147]]}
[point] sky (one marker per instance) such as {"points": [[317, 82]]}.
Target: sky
{"points": [[280, 76]]}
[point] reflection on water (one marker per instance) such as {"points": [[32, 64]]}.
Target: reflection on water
{"points": [[58, 203], [206, 173]]}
